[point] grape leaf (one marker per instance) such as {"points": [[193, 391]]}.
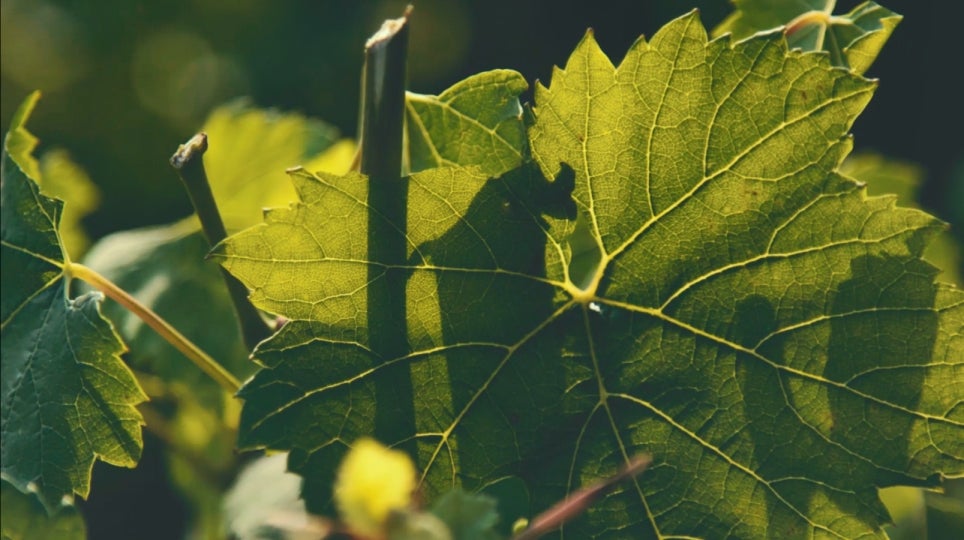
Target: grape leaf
{"points": [[67, 397], [884, 176], [853, 40], [22, 517], [263, 494], [477, 121], [249, 150], [756, 323]]}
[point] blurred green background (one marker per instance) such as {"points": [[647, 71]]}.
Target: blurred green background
{"points": [[126, 81]]}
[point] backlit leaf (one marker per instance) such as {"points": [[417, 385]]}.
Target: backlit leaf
{"points": [[477, 121], [886, 176], [249, 150], [756, 323]]}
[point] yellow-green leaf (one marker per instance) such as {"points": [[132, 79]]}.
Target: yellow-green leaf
{"points": [[476, 122], [889, 176], [755, 322]]}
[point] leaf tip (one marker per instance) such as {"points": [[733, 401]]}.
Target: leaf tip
{"points": [[25, 110]]}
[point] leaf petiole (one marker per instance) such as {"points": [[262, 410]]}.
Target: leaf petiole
{"points": [[194, 353], [813, 17]]}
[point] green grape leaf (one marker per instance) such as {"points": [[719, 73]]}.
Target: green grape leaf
{"points": [[22, 517], [476, 122], [853, 40], [890, 176], [756, 323], [67, 399], [249, 150]]}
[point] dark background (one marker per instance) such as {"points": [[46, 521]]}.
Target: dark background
{"points": [[126, 81]]}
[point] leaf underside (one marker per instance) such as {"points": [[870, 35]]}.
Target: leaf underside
{"points": [[853, 40], [756, 323], [68, 399]]}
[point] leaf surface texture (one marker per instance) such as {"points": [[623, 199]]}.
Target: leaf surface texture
{"points": [[755, 322]]}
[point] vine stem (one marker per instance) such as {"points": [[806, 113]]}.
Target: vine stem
{"points": [[188, 161], [194, 353], [382, 127], [808, 18], [577, 502]]}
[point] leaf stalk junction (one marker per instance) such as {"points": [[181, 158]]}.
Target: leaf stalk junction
{"points": [[194, 353]]}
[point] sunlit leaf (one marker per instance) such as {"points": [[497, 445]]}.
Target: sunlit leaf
{"points": [[249, 151], [889, 176], [756, 323], [478, 121]]}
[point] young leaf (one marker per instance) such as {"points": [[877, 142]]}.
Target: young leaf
{"points": [[756, 323], [67, 397], [853, 40], [477, 121], [250, 149], [265, 497]]}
